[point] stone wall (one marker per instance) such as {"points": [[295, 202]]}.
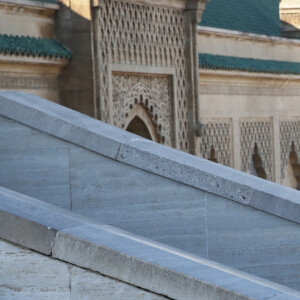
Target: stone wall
{"points": [[25, 274], [76, 82], [151, 190], [241, 111]]}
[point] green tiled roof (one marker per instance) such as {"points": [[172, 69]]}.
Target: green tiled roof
{"points": [[30, 46], [232, 63], [254, 16]]}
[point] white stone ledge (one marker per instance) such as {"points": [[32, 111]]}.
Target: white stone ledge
{"points": [[133, 150], [246, 35], [118, 254]]}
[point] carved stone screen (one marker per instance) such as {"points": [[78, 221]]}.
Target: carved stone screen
{"points": [[142, 35], [289, 134], [217, 134], [259, 133], [152, 92]]}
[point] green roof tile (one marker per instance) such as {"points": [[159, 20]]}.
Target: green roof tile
{"points": [[232, 63], [252, 16], [30, 46]]}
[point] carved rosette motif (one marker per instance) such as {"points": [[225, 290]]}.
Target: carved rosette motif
{"points": [[257, 132], [149, 91], [289, 134], [217, 134], [137, 34]]}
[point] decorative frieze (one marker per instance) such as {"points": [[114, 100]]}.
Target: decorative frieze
{"points": [[31, 83], [229, 89]]}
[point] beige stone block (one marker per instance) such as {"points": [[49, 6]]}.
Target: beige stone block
{"points": [[81, 8]]}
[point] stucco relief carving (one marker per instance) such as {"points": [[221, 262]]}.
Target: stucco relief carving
{"points": [[257, 132], [155, 38], [217, 134], [153, 93], [13, 82], [289, 134]]}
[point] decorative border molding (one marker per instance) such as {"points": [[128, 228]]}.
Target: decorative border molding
{"points": [[40, 83], [245, 35], [227, 89]]}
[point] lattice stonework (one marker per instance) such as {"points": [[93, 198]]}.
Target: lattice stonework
{"points": [[289, 134], [257, 132], [217, 134], [149, 91], [135, 34]]}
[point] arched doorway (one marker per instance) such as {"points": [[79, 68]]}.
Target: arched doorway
{"points": [[258, 164], [292, 170], [140, 123], [137, 126]]}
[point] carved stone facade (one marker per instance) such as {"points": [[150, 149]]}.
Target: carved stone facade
{"points": [[257, 133], [152, 92], [217, 135], [154, 39], [289, 134]]}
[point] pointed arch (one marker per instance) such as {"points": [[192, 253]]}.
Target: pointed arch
{"points": [[292, 170], [257, 164], [139, 122], [212, 154]]}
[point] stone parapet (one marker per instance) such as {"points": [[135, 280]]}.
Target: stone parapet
{"points": [[120, 255]]}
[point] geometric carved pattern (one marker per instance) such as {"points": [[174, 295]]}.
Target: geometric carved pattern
{"points": [[217, 133], [259, 133], [12, 82], [149, 91], [289, 134], [135, 34]]}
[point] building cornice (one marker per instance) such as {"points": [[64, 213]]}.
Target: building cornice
{"points": [[252, 75], [17, 59], [246, 36]]}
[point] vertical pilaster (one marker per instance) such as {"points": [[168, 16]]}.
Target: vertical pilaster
{"points": [[192, 17], [236, 140], [276, 147]]}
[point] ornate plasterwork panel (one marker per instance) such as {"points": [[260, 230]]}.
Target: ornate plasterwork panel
{"points": [[16, 83], [135, 34], [257, 132], [289, 133], [217, 134], [152, 92]]}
